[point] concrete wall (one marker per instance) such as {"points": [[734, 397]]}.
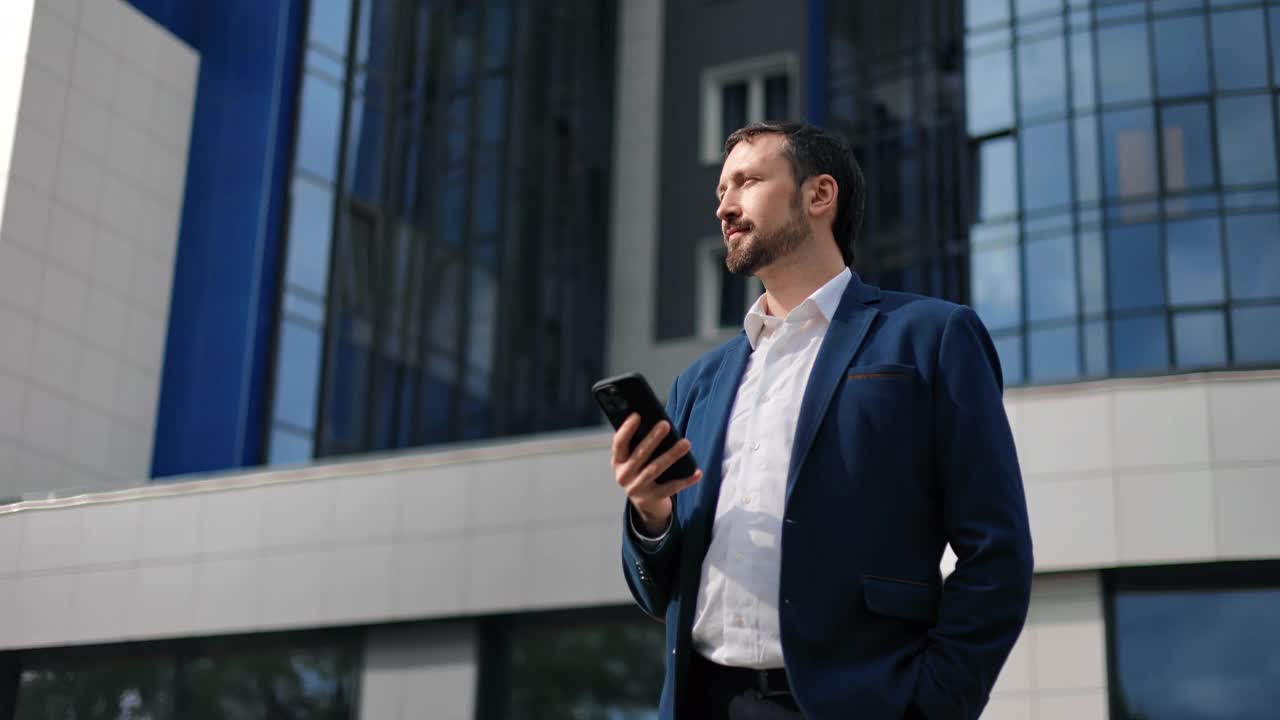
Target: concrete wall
{"points": [[1120, 473], [100, 100], [1058, 669], [416, 671]]}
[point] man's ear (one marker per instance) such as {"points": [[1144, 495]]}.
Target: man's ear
{"points": [[822, 194]]}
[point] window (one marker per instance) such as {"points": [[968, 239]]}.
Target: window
{"points": [[596, 665], [1195, 642], [744, 92], [723, 297]]}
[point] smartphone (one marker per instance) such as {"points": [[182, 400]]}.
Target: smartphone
{"points": [[625, 394]]}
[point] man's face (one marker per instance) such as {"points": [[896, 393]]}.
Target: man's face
{"points": [[760, 214]]}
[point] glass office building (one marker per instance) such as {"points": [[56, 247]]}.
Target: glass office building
{"points": [[362, 327], [1104, 173], [445, 201]]}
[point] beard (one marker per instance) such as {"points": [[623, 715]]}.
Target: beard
{"points": [[760, 249]]}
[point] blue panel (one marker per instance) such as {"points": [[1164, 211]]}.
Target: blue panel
{"points": [[222, 312], [816, 89]]}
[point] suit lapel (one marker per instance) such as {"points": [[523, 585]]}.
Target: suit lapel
{"points": [[848, 329], [719, 405]]}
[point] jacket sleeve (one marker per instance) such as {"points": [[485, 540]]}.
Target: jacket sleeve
{"points": [[984, 511], [651, 572]]}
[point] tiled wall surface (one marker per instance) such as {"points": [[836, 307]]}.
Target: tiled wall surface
{"points": [[536, 523], [418, 671], [92, 188], [1057, 671]]}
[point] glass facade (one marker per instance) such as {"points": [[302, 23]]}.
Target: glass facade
{"points": [[896, 91], [287, 677], [1195, 642], [1113, 165], [588, 665], [446, 227]]}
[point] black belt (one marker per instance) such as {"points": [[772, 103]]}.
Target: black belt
{"points": [[769, 683]]}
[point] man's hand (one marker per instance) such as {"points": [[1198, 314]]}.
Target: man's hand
{"points": [[637, 476]]}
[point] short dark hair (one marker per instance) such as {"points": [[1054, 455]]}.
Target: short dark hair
{"points": [[814, 151]]}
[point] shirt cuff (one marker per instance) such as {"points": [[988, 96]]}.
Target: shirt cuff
{"points": [[646, 542]]}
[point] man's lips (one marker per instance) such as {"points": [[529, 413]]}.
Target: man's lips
{"points": [[733, 232]]}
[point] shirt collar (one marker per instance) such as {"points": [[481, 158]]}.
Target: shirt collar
{"points": [[823, 301]]}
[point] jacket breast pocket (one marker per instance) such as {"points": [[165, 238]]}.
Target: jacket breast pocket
{"points": [[905, 599]]}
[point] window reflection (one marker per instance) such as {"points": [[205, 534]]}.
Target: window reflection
{"points": [[319, 119], [1182, 66], [1086, 153], [1036, 7], [1133, 267], [295, 399], [989, 92], [593, 666], [1054, 353], [1096, 350], [1092, 273], [1253, 255], [996, 287], [1042, 84], [329, 22], [1196, 654], [1253, 333], [1083, 92], [985, 12], [997, 179], [1246, 142], [1129, 149], [1199, 339], [1009, 350], [1195, 261], [1187, 151], [1124, 54], [1051, 279], [1140, 344], [310, 226], [1239, 49], [1046, 160]]}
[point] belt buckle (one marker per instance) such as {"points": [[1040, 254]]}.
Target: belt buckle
{"points": [[762, 685]]}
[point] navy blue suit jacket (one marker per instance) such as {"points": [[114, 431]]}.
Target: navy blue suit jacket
{"points": [[902, 446]]}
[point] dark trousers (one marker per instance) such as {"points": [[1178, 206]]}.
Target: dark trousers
{"points": [[721, 693]]}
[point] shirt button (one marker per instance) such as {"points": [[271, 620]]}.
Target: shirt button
{"points": [[755, 446], [739, 557], [746, 500], [737, 620], [764, 398]]}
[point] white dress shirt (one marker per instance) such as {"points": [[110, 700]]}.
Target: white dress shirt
{"points": [[736, 618]]}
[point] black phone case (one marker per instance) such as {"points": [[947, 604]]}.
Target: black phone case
{"points": [[622, 395]]}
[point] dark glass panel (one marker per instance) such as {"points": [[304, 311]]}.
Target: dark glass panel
{"points": [[1255, 335], [1196, 654], [1054, 353], [1246, 139], [1182, 60], [1195, 261], [996, 286], [1253, 256], [1124, 55], [997, 178], [1046, 159], [1186, 148], [1239, 49], [1135, 269], [1096, 350], [1084, 93], [989, 92], [777, 98], [1086, 156], [733, 108], [1051, 279], [1140, 344], [1009, 350], [1129, 151], [1200, 339], [1042, 79]]}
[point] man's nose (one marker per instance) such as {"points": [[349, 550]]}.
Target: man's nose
{"points": [[728, 211]]}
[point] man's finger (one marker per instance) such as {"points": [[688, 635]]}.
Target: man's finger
{"points": [[671, 488], [646, 446], [659, 465], [622, 438]]}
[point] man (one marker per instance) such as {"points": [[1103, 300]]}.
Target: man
{"points": [[846, 436]]}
